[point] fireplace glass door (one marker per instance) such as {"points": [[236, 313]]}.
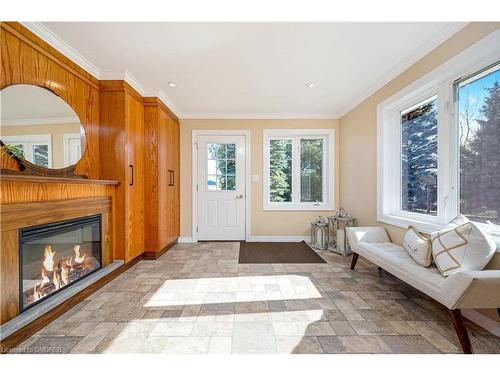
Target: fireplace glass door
{"points": [[56, 255]]}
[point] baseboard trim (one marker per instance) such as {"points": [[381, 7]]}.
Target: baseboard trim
{"points": [[258, 239], [153, 255], [185, 240], [483, 321], [278, 238]]}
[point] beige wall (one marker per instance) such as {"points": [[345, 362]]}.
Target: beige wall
{"points": [[358, 134], [56, 131], [263, 223]]}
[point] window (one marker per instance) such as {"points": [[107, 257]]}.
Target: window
{"points": [[280, 170], [298, 169], [439, 144], [221, 168], [419, 158], [34, 148], [478, 99]]}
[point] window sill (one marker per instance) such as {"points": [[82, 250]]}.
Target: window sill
{"points": [[403, 222], [298, 208]]}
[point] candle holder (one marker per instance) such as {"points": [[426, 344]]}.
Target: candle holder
{"points": [[320, 234], [338, 223]]}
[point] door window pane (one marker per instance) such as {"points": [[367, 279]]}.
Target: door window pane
{"points": [[231, 167], [280, 170], [221, 166], [479, 135], [231, 151], [311, 170], [419, 143]]}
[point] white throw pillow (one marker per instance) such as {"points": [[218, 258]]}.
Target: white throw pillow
{"points": [[464, 247], [418, 247]]}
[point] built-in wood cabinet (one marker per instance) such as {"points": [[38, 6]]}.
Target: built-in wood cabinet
{"points": [[122, 159], [161, 150]]}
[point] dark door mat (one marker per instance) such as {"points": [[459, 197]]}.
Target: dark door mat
{"points": [[277, 252]]}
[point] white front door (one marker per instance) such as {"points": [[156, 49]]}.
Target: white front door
{"points": [[221, 187]]}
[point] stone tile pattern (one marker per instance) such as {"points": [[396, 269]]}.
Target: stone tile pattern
{"points": [[197, 299]]}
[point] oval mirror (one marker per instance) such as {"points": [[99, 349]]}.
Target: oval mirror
{"points": [[38, 126]]}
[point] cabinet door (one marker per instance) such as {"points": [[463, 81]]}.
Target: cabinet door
{"points": [[163, 181], [134, 230], [173, 186], [176, 187]]}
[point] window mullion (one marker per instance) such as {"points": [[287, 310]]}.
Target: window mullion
{"points": [[296, 170]]}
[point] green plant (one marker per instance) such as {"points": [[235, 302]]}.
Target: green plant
{"points": [[13, 150]]}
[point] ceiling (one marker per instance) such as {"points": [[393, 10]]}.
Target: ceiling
{"points": [[249, 70], [33, 105]]}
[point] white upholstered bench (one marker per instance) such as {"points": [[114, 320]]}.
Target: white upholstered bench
{"points": [[461, 290]]}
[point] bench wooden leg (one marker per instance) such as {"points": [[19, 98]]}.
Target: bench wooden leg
{"points": [[463, 336], [354, 260]]}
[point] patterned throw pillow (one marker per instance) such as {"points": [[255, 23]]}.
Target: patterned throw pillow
{"points": [[465, 247], [418, 247]]}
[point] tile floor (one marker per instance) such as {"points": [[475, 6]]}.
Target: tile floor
{"points": [[197, 299]]}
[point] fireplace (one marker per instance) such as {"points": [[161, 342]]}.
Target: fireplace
{"points": [[56, 255]]}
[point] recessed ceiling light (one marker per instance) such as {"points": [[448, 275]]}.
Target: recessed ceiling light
{"points": [[172, 84], [310, 85]]}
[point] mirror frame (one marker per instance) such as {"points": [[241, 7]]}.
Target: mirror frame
{"points": [[25, 167]]}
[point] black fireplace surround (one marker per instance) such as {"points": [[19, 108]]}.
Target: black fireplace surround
{"points": [[56, 255]]}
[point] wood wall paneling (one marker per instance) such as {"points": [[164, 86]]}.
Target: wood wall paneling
{"points": [[9, 276], [22, 191], [26, 59]]}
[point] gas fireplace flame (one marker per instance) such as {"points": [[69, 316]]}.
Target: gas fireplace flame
{"points": [[78, 258], [56, 280], [45, 278], [48, 258], [57, 273]]}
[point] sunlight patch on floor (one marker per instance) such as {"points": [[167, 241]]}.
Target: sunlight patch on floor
{"points": [[180, 292], [289, 328]]}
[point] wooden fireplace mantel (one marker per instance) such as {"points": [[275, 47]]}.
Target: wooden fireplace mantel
{"points": [[15, 216], [61, 180]]}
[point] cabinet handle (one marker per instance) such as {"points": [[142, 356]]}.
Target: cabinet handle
{"points": [[173, 178], [131, 167], [169, 177]]}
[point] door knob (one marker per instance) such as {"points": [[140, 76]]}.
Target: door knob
{"points": [[239, 196]]}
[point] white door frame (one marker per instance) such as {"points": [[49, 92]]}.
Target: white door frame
{"points": [[194, 177], [66, 150]]}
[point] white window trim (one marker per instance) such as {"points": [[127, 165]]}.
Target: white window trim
{"points": [[28, 140], [439, 82], [328, 161]]}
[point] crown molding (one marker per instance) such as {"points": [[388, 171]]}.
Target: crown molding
{"points": [[418, 53], [41, 121], [59, 44], [260, 116], [160, 94], [44, 33], [123, 75]]}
